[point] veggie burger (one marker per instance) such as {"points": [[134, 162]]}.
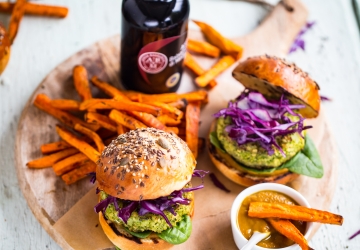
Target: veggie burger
{"points": [[261, 135], [146, 199]]}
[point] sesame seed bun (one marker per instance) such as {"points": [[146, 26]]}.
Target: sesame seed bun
{"points": [[122, 239], [272, 77], [240, 177], [145, 164]]}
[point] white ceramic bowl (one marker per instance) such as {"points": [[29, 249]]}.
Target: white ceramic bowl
{"points": [[239, 239]]}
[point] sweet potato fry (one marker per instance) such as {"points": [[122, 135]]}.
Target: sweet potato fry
{"points": [[120, 129], [37, 9], [125, 120], [203, 48], [119, 105], [190, 63], [148, 120], [168, 121], [60, 145], [179, 104], [286, 228], [43, 102], [54, 147], [70, 163], [292, 212], [65, 104], [224, 63], [92, 135], [192, 117], [168, 109], [82, 146], [15, 19], [199, 95], [102, 120], [227, 46], [107, 88], [81, 82], [49, 160], [175, 130], [79, 173]]}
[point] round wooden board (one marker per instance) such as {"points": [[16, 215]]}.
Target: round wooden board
{"points": [[50, 199]]}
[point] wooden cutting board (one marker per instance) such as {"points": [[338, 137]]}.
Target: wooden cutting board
{"points": [[66, 212]]}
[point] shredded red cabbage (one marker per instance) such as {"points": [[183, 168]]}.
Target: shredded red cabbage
{"points": [[92, 177], [324, 98], [156, 206], [354, 235], [255, 119], [217, 183], [299, 40]]}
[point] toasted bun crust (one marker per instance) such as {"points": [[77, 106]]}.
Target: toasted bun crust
{"points": [[145, 164], [272, 77], [242, 178], [120, 238]]}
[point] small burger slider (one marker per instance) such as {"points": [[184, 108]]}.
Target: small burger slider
{"points": [[261, 135], [146, 199]]}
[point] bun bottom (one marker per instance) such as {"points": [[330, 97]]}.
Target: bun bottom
{"points": [[123, 240], [242, 178], [120, 238]]}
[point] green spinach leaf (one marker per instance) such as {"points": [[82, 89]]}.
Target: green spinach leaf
{"points": [[215, 141], [178, 234], [140, 235], [307, 162]]}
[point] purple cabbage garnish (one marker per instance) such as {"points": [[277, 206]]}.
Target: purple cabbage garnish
{"points": [[255, 119], [92, 177], [299, 40], [217, 183], [354, 235], [324, 98], [156, 206]]}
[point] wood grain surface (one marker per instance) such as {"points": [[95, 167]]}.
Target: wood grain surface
{"points": [[50, 199]]}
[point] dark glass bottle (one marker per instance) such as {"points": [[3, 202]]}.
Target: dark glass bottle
{"points": [[153, 44]]}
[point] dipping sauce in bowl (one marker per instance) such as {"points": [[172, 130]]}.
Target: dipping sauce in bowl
{"points": [[243, 226], [248, 225]]}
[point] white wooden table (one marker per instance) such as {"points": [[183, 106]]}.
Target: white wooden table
{"points": [[332, 58]]}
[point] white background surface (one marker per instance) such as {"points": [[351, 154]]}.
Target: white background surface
{"points": [[332, 58]]}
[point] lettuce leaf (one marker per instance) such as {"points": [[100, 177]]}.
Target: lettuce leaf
{"points": [[215, 141], [307, 162], [179, 233], [140, 235]]}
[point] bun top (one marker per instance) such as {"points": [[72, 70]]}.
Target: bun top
{"points": [[145, 164], [273, 77]]}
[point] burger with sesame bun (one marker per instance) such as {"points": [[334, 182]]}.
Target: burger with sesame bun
{"points": [[146, 200], [261, 135]]}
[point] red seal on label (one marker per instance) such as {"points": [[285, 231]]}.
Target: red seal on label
{"points": [[153, 62]]}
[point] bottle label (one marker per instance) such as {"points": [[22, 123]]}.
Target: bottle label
{"points": [[161, 55], [153, 62]]}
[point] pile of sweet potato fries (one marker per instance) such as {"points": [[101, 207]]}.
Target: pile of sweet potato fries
{"points": [[101, 120], [217, 44]]}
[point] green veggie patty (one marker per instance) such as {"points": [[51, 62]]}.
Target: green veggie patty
{"points": [[252, 154], [150, 221]]}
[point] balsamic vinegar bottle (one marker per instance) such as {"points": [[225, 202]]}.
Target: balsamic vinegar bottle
{"points": [[153, 44]]}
